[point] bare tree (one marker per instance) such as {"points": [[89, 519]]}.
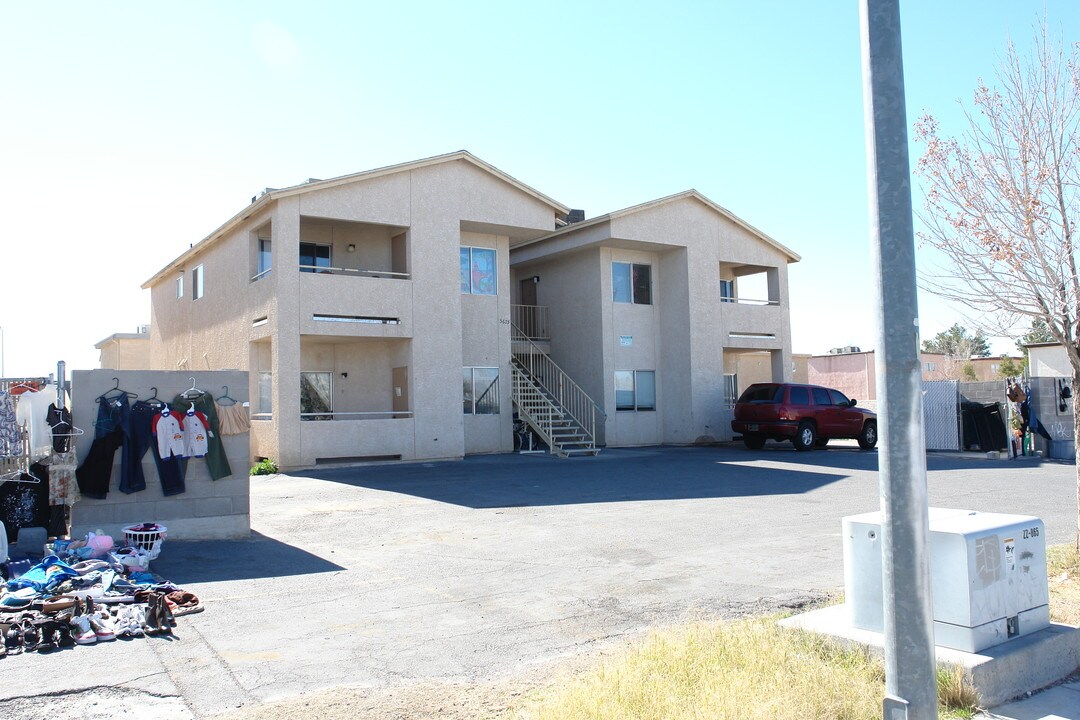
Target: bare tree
{"points": [[1003, 199]]}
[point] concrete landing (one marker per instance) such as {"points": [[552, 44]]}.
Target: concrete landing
{"points": [[998, 674]]}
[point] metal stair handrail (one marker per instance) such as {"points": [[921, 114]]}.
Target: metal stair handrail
{"points": [[551, 378]]}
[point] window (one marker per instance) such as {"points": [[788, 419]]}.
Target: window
{"points": [[839, 398], [180, 286], [264, 258], [314, 258], [635, 390], [480, 391], [930, 367], [821, 396], [197, 283], [316, 397], [631, 283], [727, 291], [731, 389], [763, 394], [266, 403], [799, 396], [478, 271]]}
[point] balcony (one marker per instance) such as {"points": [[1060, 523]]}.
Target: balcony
{"points": [[355, 305], [752, 323]]}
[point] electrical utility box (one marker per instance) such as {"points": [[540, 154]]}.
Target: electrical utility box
{"points": [[987, 576]]}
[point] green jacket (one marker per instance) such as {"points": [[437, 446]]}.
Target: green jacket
{"points": [[216, 461]]}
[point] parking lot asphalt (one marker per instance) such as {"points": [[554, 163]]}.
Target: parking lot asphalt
{"points": [[393, 574]]}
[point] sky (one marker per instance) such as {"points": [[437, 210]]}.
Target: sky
{"points": [[131, 130]]}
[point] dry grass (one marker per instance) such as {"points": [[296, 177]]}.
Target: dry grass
{"points": [[1063, 574], [744, 670]]}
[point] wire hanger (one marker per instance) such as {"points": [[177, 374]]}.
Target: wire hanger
{"points": [[20, 476], [221, 400], [154, 400], [192, 392], [116, 388]]}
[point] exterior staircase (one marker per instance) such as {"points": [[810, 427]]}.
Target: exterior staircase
{"points": [[550, 402]]}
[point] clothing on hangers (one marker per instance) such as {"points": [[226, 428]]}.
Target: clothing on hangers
{"points": [[60, 427], [216, 461], [168, 429], [95, 473], [196, 439], [234, 418], [10, 435], [31, 411], [25, 502]]}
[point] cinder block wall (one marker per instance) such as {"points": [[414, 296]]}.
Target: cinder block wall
{"points": [[990, 391], [1059, 423], [208, 509]]}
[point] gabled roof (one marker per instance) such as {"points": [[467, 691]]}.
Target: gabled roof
{"points": [[794, 257], [312, 185]]}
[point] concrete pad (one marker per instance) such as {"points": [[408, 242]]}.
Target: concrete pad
{"points": [[1057, 703], [998, 674]]}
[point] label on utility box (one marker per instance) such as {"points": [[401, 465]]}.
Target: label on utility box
{"points": [[1010, 554]]}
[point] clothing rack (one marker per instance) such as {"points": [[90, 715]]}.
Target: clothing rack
{"points": [[16, 467]]}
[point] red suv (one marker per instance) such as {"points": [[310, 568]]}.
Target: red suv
{"points": [[807, 415]]}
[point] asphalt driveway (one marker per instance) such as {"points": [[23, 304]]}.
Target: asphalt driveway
{"points": [[388, 575]]}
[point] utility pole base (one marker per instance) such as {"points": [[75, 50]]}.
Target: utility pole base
{"points": [[893, 708]]}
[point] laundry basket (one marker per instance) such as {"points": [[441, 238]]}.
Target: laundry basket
{"points": [[146, 537]]}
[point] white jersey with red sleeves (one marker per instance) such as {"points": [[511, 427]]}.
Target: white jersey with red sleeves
{"points": [[196, 434], [169, 431]]}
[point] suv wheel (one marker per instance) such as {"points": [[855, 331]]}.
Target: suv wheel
{"points": [[868, 436], [806, 436], [753, 442]]}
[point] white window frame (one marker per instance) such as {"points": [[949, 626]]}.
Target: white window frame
{"points": [[630, 273], [264, 260], [266, 392], [469, 398], [731, 389], [727, 291], [494, 267], [180, 286], [637, 406], [198, 288]]}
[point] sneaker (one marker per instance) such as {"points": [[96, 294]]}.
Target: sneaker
{"points": [[103, 627], [81, 632]]}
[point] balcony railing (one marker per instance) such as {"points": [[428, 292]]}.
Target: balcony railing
{"points": [[324, 270], [531, 321], [748, 301], [368, 415]]}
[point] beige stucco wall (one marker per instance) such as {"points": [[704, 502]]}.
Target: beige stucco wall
{"points": [[852, 374], [1049, 361], [683, 335], [439, 208], [125, 353]]}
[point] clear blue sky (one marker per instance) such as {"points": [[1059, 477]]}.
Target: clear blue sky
{"points": [[131, 130]]}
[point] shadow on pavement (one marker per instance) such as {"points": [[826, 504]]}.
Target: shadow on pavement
{"points": [[621, 475], [204, 561]]}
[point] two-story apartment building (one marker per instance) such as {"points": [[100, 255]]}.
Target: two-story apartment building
{"points": [[395, 313], [644, 312]]}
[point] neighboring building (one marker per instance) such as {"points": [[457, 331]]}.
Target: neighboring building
{"points": [[125, 351], [852, 371], [358, 304], [1048, 359]]}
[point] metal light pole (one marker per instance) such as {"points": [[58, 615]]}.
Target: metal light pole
{"points": [[910, 671]]}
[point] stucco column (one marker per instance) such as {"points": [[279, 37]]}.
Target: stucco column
{"points": [[285, 353], [436, 343]]}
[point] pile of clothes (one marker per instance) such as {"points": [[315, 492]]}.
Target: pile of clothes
{"points": [[70, 599]]}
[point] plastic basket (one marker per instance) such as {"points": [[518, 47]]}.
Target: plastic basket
{"points": [[147, 540]]}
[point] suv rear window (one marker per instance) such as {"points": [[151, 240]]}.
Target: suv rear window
{"points": [[762, 394]]}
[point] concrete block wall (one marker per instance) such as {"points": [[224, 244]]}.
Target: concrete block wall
{"points": [[1059, 423], [987, 392], [208, 509]]}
